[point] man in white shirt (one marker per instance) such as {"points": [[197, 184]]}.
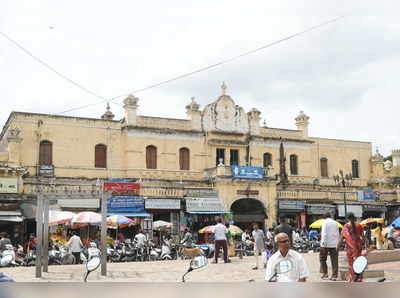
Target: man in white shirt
{"points": [[76, 246], [286, 265], [140, 239], [220, 232], [259, 243], [329, 241]]}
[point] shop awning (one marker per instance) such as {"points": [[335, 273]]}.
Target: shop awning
{"points": [[12, 216], [128, 214], [208, 212]]}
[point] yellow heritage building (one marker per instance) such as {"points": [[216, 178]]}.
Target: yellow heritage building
{"points": [[190, 161]]}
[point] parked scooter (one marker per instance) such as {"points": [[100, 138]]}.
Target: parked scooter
{"points": [[8, 257], [55, 256]]}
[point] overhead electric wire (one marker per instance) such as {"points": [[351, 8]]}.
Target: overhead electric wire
{"points": [[103, 99], [49, 67]]}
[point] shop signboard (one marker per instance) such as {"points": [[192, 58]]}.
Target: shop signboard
{"points": [[169, 204], [377, 208], [125, 204], [320, 209], [291, 205], [46, 170], [8, 185], [356, 209], [202, 192], [248, 172], [204, 204], [247, 192], [121, 187], [367, 195]]}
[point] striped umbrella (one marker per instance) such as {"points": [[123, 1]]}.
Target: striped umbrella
{"points": [[119, 221], [60, 217]]}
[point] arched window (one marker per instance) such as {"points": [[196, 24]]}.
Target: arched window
{"points": [[267, 160], [46, 153], [324, 167], [151, 157], [184, 159], [293, 165], [355, 169], [100, 156]]}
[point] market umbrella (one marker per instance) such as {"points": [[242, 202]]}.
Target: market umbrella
{"points": [[235, 230], [318, 224], [60, 217], [396, 223], [161, 224], [119, 221], [372, 220], [232, 228], [208, 229], [88, 217]]}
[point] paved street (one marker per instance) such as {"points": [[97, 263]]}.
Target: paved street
{"points": [[172, 271]]}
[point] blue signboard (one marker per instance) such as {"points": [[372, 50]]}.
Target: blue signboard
{"points": [[367, 195], [125, 204], [247, 172]]}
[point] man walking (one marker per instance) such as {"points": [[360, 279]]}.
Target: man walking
{"points": [[284, 228], [220, 232], [76, 246], [329, 242], [259, 243]]}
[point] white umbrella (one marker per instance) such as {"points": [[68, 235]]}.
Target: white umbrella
{"points": [[60, 217], [160, 224]]}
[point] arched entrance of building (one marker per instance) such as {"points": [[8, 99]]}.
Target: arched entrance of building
{"points": [[247, 211]]}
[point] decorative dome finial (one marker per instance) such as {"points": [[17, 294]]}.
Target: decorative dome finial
{"points": [[223, 87]]}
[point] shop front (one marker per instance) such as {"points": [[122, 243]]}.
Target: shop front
{"points": [[166, 210], [129, 206], [201, 212], [293, 211], [374, 211], [393, 211], [317, 211]]}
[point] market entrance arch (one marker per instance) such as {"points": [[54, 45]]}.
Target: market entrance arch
{"points": [[247, 211]]}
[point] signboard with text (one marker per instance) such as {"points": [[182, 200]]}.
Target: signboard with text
{"points": [[122, 187], [204, 204], [367, 195], [247, 172], [8, 185], [162, 204], [125, 204]]}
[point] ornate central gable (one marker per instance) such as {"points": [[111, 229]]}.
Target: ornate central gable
{"points": [[225, 115]]}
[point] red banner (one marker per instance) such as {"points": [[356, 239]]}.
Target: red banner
{"points": [[119, 187]]}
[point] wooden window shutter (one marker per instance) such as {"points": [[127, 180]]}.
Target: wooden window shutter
{"points": [[324, 167], [184, 159], [355, 169], [151, 157], [45, 153], [293, 165], [267, 160], [100, 156]]}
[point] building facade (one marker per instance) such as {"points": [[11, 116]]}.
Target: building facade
{"points": [[220, 160]]}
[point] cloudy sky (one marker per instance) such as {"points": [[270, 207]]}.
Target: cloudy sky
{"points": [[345, 75]]}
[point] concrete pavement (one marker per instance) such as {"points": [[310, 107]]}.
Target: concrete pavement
{"points": [[240, 270]]}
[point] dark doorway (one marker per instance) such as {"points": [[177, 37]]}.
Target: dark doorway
{"points": [[248, 211]]}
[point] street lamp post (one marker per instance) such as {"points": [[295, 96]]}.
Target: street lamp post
{"points": [[344, 181]]}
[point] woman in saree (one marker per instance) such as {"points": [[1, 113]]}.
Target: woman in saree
{"points": [[353, 235]]}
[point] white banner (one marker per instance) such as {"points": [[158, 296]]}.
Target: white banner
{"points": [[162, 204], [204, 204], [8, 185]]}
